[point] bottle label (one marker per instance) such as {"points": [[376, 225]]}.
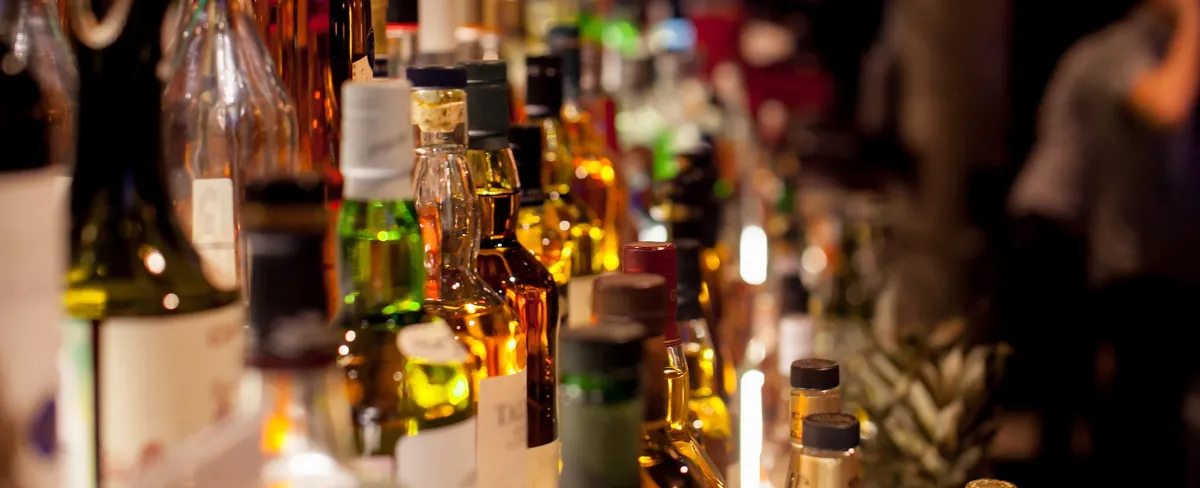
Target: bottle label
{"points": [[31, 255], [500, 438], [432, 342], [438, 458], [795, 341], [213, 230], [362, 70], [579, 301], [542, 464], [137, 386]]}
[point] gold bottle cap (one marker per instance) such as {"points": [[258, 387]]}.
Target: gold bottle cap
{"points": [[986, 483]]}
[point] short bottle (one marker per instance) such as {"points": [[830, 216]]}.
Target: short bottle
{"points": [[989, 483], [815, 389], [828, 457]]}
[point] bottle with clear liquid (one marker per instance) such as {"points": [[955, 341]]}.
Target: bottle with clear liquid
{"points": [[152, 351], [539, 225], [410, 381], [448, 213], [226, 118], [300, 432]]}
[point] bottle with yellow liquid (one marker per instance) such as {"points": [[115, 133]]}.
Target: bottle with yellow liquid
{"points": [[539, 225], [448, 214]]}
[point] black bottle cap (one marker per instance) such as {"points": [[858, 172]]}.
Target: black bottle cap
{"points": [[543, 86], [526, 142], [612, 348], [488, 102], [446, 77], [795, 295], [815, 374], [831, 431], [564, 43]]}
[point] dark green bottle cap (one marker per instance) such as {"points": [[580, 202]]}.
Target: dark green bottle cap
{"points": [[488, 104]]}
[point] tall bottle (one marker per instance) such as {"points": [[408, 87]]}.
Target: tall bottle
{"points": [[543, 106], [300, 434], [152, 351], [226, 117], [526, 285], [31, 254], [454, 292], [416, 427], [539, 224]]}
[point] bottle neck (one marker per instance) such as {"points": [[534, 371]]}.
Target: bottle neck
{"points": [[381, 257], [305, 410], [494, 174], [446, 210], [558, 170], [678, 390]]}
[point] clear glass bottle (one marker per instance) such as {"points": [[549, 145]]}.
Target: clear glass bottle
{"points": [[33, 43], [410, 382], [828, 455], [300, 433], [539, 225], [152, 351], [226, 117], [508, 267], [448, 214]]}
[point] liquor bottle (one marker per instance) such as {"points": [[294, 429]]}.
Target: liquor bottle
{"points": [[705, 404], [410, 381], [152, 352], [32, 41], [300, 434], [226, 117], [989, 483], [31, 254], [538, 223], [601, 406], [454, 292], [815, 389], [597, 182], [543, 106], [526, 285], [827, 456]]}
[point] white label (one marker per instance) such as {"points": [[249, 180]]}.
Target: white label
{"points": [[500, 439], [213, 230], [438, 458], [155, 380], [432, 342], [795, 341], [361, 70], [579, 301], [32, 248], [542, 464]]}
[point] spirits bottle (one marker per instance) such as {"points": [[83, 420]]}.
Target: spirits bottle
{"points": [[152, 352], [526, 285], [601, 409], [300, 434], [33, 45], [543, 106], [814, 389], [225, 117], [539, 224], [31, 254], [827, 456], [454, 292], [410, 381]]}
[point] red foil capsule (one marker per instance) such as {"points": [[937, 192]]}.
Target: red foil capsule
{"points": [[656, 258]]}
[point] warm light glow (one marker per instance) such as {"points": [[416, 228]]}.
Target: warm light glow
{"points": [[170, 301], [350, 335], [813, 260], [343, 350], [752, 254], [654, 233], [750, 428], [155, 262]]}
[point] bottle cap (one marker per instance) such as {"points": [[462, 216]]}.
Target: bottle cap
{"points": [[564, 43], [377, 149], [488, 107], [444, 77], [639, 297], [831, 431], [795, 295], [656, 258], [612, 348], [815, 374], [435, 29], [986, 483], [526, 141], [543, 86]]}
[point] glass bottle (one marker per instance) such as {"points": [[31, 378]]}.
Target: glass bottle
{"points": [[794, 342], [539, 225], [989, 483], [814, 390], [526, 285], [454, 292], [226, 117], [409, 380], [300, 433], [543, 107], [827, 456], [152, 351], [31, 255], [33, 45]]}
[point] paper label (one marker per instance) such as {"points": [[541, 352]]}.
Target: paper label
{"points": [[500, 438], [152, 381], [432, 342], [438, 458], [542, 464], [795, 341], [579, 301], [362, 70], [213, 231]]}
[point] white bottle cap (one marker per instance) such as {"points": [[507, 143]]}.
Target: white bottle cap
{"points": [[377, 149], [436, 22]]}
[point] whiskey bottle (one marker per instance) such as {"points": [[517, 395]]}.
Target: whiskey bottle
{"points": [[448, 213], [510, 269], [539, 226], [827, 456], [152, 351], [410, 382]]}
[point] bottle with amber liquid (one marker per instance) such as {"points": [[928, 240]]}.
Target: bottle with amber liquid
{"points": [[539, 224], [448, 213], [507, 266]]}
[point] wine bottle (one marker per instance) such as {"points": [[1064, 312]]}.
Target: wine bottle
{"points": [[152, 351]]}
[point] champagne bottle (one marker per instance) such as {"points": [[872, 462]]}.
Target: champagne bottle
{"points": [[152, 351]]}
